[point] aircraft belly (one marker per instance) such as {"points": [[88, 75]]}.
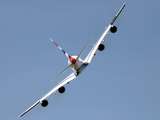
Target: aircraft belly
{"points": [[81, 68], [77, 65]]}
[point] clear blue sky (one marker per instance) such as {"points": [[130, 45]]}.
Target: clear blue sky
{"points": [[121, 83]]}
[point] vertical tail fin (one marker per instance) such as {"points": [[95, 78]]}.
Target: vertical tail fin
{"points": [[73, 60], [60, 48]]}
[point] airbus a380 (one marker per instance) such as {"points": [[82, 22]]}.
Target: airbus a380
{"points": [[76, 63]]}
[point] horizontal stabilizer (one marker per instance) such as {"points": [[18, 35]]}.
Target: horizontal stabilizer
{"points": [[61, 73], [83, 49], [114, 19]]}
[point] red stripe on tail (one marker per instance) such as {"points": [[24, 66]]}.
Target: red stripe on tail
{"points": [[55, 43]]}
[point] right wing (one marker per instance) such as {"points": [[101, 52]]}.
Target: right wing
{"points": [[92, 52], [66, 80]]}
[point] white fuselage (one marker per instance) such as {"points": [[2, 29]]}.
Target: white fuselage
{"points": [[78, 66]]}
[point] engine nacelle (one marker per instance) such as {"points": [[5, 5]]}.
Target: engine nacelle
{"points": [[44, 103], [61, 89], [101, 47], [113, 29]]}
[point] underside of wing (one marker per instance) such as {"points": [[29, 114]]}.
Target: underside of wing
{"points": [[93, 50], [66, 80], [110, 27]]}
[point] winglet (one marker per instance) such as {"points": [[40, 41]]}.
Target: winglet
{"points": [[29, 109], [93, 50], [118, 13]]}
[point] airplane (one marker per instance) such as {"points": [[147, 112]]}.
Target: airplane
{"points": [[76, 63]]}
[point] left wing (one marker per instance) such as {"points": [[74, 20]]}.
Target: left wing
{"points": [[66, 80]]}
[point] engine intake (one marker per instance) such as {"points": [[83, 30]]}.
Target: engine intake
{"points": [[44, 103], [61, 89], [101, 47], [113, 29]]}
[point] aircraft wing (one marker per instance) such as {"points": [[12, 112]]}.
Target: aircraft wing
{"points": [[66, 80], [93, 50]]}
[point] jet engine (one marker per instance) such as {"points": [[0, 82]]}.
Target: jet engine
{"points": [[61, 89], [113, 29], [44, 103], [101, 47]]}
